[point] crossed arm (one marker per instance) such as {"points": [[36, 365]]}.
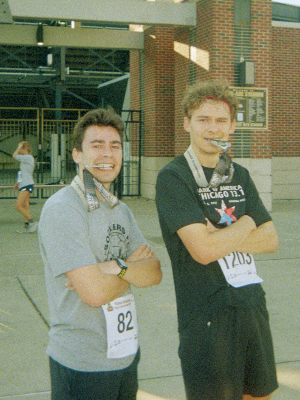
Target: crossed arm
{"points": [[99, 284], [206, 243]]}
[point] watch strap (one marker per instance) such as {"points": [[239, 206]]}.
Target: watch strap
{"points": [[123, 267]]}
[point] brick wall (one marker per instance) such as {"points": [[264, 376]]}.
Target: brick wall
{"points": [[211, 55], [275, 52], [182, 78], [159, 92], [285, 91], [261, 54], [208, 52], [135, 81]]}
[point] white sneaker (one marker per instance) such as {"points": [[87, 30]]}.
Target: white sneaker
{"points": [[32, 227]]}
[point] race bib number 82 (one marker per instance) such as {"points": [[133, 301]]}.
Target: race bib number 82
{"points": [[121, 327]]}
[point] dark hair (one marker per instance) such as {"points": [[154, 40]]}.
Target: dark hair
{"points": [[101, 117], [217, 90]]}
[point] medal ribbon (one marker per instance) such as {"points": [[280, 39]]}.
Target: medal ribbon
{"points": [[222, 173], [90, 184]]}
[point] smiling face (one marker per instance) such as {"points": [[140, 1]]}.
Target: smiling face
{"points": [[101, 146], [211, 120]]}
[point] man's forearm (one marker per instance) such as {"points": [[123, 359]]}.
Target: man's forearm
{"points": [[140, 273], [114, 288], [264, 239], [94, 287], [143, 273], [220, 242]]}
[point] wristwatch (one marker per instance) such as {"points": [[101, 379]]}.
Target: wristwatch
{"points": [[123, 267]]}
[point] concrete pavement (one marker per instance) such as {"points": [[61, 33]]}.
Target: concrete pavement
{"points": [[24, 316]]}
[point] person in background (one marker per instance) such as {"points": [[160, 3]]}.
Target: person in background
{"points": [[25, 185], [212, 220], [93, 251]]}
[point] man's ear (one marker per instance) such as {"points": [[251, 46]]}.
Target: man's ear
{"points": [[186, 124], [233, 126], [76, 154]]}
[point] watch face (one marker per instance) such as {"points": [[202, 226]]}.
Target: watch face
{"points": [[121, 263], [123, 267]]}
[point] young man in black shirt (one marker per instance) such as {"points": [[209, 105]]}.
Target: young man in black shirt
{"points": [[212, 220]]}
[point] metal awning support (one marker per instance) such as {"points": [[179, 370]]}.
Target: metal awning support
{"points": [[5, 15], [112, 81], [25, 35]]}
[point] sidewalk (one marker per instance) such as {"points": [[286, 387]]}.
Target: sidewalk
{"points": [[24, 316]]}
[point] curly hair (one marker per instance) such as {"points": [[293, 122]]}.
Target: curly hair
{"points": [[101, 117], [217, 90]]}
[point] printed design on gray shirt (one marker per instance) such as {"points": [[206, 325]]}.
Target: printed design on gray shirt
{"points": [[117, 241]]}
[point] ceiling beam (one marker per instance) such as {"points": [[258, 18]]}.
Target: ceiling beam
{"points": [[25, 35], [121, 12], [5, 15]]}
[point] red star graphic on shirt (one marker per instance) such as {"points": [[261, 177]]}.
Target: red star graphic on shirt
{"points": [[226, 214]]}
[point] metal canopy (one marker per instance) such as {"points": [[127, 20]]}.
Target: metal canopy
{"points": [[5, 15], [96, 52], [25, 35], [120, 12]]}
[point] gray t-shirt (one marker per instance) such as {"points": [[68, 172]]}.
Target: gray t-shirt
{"points": [[25, 177], [71, 237]]}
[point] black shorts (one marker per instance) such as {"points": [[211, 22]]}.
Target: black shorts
{"points": [[28, 188], [229, 356], [68, 384]]}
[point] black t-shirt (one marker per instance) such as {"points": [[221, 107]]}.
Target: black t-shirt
{"points": [[181, 202]]}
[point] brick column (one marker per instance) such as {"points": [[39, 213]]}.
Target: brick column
{"points": [[158, 105], [176, 57], [261, 54], [204, 52]]}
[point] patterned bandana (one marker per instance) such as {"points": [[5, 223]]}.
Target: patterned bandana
{"points": [[90, 184], [222, 173]]}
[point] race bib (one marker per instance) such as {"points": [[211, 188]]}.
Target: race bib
{"points": [[121, 327], [239, 269]]}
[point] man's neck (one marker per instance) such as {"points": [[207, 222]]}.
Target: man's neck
{"points": [[206, 159], [98, 194]]}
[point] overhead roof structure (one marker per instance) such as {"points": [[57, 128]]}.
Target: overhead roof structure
{"points": [[285, 12], [88, 42], [122, 12]]}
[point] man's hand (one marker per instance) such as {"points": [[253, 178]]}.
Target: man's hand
{"points": [[210, 227], [69, 285], [206, 244], [141, 253]]}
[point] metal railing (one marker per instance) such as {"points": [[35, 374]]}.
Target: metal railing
{"points": [[49, 132]]}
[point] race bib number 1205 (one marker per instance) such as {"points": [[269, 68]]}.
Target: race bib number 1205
{"points": [[239, 269]]}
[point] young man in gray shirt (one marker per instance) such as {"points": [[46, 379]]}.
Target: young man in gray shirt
{"points": [[93, 251]]}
